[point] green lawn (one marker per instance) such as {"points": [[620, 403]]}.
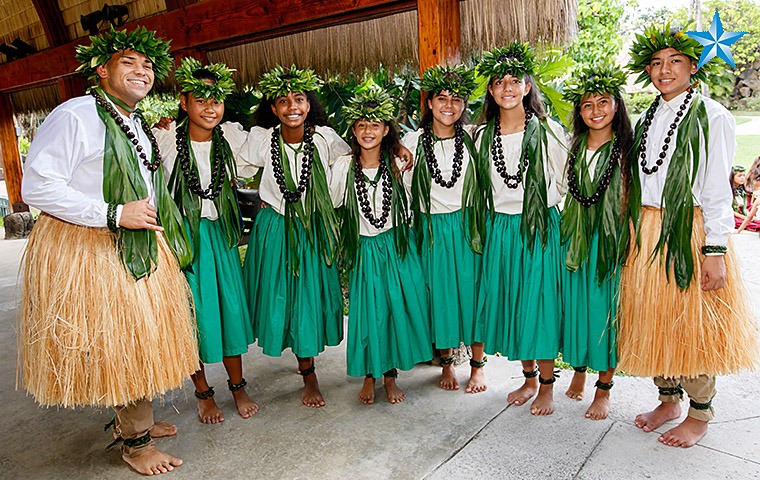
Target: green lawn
{"points": [[747, 149], [740, 120]]}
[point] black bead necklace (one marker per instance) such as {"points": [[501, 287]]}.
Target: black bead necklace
{"points": [[497, 153], [291, 196], [435, 171], [668, 138], [604, 181], [153, 164], [363, 195], [191, 175]]}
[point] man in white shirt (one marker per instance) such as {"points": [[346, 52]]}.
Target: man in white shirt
{"points": [[106, 317], [681, 332]]}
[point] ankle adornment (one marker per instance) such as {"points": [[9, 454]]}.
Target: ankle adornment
{"points": [[205, 395], [547, 381], [308, 371], [700, 406], [392, 373], [667, 391], [532, 374], [480, 364], [137, 442], [447, 360], [604, 386], [234, 387], [580, 369]]}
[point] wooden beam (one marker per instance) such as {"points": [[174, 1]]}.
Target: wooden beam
{"points": [[70, 87], [175, 4], [10, 154], [211, 25], [439, 31], [52, 22]]}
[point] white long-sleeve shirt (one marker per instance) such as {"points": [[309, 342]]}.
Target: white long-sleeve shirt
{"points": [[63, 173], [235, 136], [327, 142], [711, 188], [510, 200]]}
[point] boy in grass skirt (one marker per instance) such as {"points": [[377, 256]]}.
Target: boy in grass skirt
{"points": [[106, 314], [683, 317]]}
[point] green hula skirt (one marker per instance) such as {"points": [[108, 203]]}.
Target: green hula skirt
{"points": [[588, 331], [520, 304], [388, 319], [221, 308], [304, 312], [452, 273]]}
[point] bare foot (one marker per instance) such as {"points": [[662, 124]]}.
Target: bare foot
{"points": [[685, 435], [477, 381], [449, 378], [311, 396], [544, 402], [600, 407], [524, 393], [151, 461], [162, 429], [209, 412], [245, 406], [367, 393], [577, 384], [651, 420], [395, 394]]}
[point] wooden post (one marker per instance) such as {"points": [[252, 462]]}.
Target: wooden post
{"points": [[439, 31], [11, 156], [71, 86]]}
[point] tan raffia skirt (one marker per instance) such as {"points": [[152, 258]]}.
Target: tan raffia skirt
{"points": [[92, 335], [664, 331]]}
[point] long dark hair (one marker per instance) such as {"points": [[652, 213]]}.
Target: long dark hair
{"points": [[621, 126], [266, 118], [200, 74], [427, 113], [532, 101], [390, 144]]}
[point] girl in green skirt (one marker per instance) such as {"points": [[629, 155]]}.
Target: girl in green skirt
{"points": [[292, 284], [595, 228], [201, 166], [388, 320], [449, 209], [520, 305]]}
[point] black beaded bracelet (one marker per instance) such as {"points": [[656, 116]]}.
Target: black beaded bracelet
{"points": [[111, 217], [708, 249]]}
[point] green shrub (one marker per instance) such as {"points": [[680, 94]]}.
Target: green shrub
{"points": [[638, 102]]}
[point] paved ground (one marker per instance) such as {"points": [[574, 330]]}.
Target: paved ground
{"points": [[433, 435]]}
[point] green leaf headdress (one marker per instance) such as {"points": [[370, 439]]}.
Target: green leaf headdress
{"points": [[218, 90], [658, 37], [594, 80], [141, 40], [374, 105], [516, 59], [457, 80], [279, 81]]}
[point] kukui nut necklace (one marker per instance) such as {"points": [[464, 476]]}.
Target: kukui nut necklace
{"points": [[604, 181], [217, 167], [668, 138], [456, 168], [361, 192], [308, 158], [497, 153], [153, 164]]}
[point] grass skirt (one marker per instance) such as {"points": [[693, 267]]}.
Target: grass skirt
{"points": [[451, 272], [388, 319], [221, 307], [303, 313], [664, 331], [92, 335], [588, 329], [520, 305]]}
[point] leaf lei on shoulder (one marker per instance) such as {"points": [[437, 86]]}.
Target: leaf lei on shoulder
{"points": [[142, 40], [223, 86], [458, 80], [279, 81], [674, 241]]}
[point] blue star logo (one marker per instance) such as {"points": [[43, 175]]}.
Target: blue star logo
{"points": [[716, 42]]}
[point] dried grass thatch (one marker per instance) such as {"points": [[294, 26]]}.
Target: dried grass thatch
{"points": [[20, 20], [71, 10], [690, 333], [92, 335], [45, 97]]}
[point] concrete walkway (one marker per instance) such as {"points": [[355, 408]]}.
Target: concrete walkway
{"points": [[433, 435]]}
